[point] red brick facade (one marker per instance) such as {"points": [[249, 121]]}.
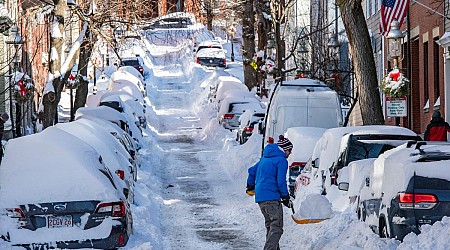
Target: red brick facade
{"points": [[427, 64]]}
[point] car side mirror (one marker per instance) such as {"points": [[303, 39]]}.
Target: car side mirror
{"points": [[367, 181], [313, 164], [343, 186]]}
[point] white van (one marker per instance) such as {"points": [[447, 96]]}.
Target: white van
{"points": [[302, 103]]}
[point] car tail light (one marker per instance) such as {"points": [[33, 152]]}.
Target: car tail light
{"points": [[228, 116], [116, 209], [121, 240], [225, 61], [248, 130], [295, 166], [121, 174], [198, 60], [417, 201], [15, 213]]}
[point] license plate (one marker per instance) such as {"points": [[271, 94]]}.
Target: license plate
{"points": [[60, 221]]}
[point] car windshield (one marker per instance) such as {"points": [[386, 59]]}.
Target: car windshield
{"points": [[130, 63], [371, 146]]}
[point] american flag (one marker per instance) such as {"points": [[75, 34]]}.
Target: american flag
{"points": [[392, 10]]}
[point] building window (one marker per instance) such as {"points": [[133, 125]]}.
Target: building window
{"points": [[425, 71], [436, 59], [369, 8]]}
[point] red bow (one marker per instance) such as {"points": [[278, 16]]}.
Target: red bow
{"points": [[71, 77], [23, 90], [394, 76]]}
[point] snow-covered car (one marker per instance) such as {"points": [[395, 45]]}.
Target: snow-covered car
{"points": [[104, 144], [303, 139], [211, 57], [408, 188], [231, 109], [131, 104], [131, 146], [106, 113], [340, 146], [223, 84], [135, 62], [134, 72], [208, 44], [69, 199], [126, 104], [122, 80], [248, 122]]}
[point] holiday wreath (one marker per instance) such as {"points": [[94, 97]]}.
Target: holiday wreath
{"points": [[395, 84], [23, 87]]}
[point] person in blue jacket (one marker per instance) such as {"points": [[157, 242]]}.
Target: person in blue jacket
{"points": [[267, 181]]}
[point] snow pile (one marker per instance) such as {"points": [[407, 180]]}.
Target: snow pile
{"points": [[434, 236], [315, 206]]}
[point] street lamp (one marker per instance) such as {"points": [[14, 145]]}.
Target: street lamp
{"points": [[394, 38], [394, 42], [302, 52], [333, 47], [16, 40], [232, 33]]}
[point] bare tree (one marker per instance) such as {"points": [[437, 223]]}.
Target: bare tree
{"points": [[364, 66]]}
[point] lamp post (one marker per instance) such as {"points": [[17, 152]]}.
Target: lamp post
{"points": [[333, 52], [16, 40], [302, 52], [394, 38], [394, 42]]}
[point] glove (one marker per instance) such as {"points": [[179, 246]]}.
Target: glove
{"points": [[286, 201], [250, 190]]}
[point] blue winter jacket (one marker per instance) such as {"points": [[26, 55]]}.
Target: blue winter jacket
{"points": [[268, 176]]}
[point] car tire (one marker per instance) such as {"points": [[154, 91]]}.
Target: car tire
{"points": [[382, 229]]}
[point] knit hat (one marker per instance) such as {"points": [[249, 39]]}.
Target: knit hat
{"points": [[5, 117], [284, 143], [436, 114]]}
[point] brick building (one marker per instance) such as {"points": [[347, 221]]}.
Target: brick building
{"points": [[427, 67]]}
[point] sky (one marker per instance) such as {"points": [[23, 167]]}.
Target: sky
{"points": [[190, 190]]}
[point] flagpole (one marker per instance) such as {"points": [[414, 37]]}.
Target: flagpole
{"points": [[408, 69]]}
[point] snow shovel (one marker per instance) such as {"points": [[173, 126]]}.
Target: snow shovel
{"points": [[303, 221]]}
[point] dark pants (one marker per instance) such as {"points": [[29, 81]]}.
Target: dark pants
{"points": [[273, 216]]}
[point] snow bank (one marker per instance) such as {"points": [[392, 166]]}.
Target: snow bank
{"points": [[315, 206]]}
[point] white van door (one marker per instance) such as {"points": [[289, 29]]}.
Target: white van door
{"points": [[292, 113], [324, 112]]}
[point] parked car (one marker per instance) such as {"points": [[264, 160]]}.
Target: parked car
{"points": [[340, 146], [208, 44], [409, 187], [223, 84], [231, 109], [211, 57], [106, 113], [131, 146], [104, 144], [68, 200], [125, 103], [123, 80], [248, 122], [303, 139], [135, 62], [302, 103], [134, 72]]}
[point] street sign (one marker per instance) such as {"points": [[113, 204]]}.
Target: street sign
{"points": [[396, 107]]}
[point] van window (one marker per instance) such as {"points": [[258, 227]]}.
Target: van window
{"points": [[290, 116], [317, 117]]}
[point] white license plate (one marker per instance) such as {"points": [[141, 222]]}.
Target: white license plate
{"points": [[60, 221]]}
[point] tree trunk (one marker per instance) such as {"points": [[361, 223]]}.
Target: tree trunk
{"points": [[363, 61], [85, 55], [248, 37], [51, 99]]}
